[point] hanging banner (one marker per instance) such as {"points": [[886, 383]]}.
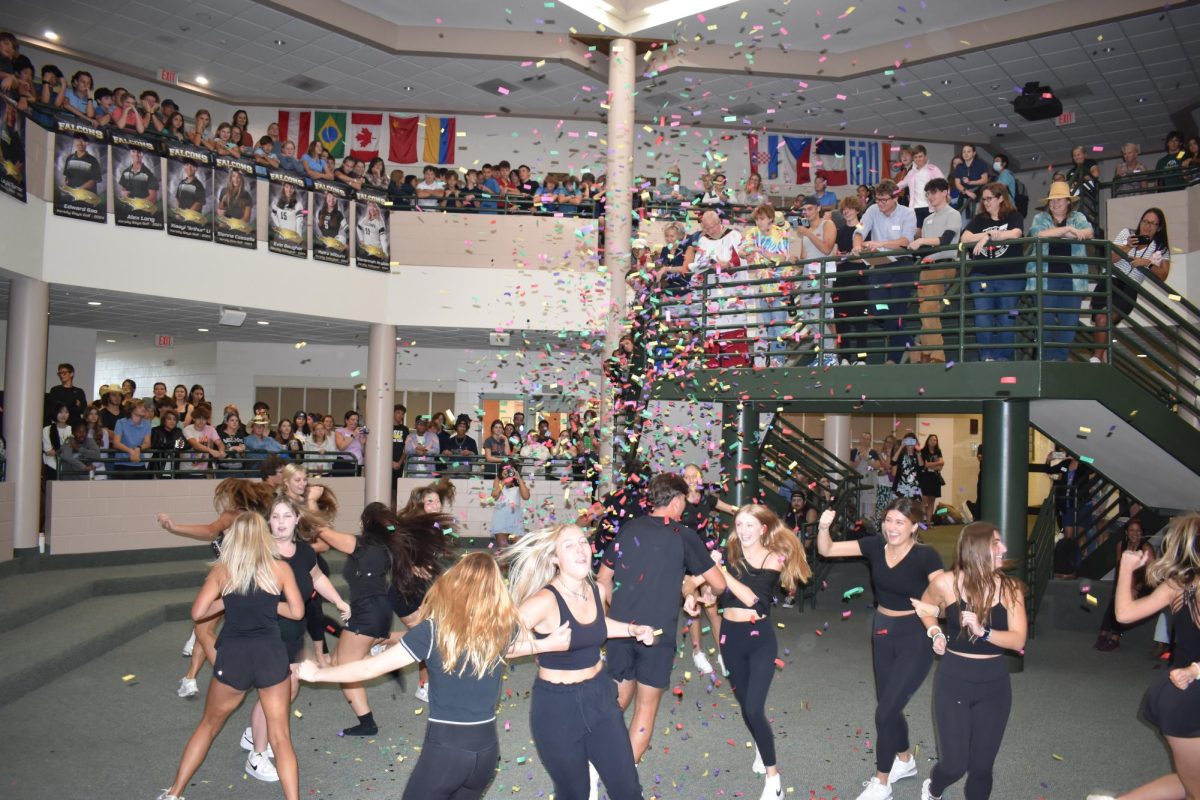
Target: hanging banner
{"points": [[189, 205], [331, 222], [288, 231], [137, 191], [12, 151], [80, 171], [235, 217], [371, 249]]}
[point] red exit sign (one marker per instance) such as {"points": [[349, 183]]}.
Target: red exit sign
{"points": [[168, 76], [1065, 118], [164, 340]]}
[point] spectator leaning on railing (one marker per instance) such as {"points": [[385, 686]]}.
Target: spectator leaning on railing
{"points": [[887, 225], [1066, 229], [131, 437], [995, 296], [1136, 252], [940, 228], [1172, 161]]}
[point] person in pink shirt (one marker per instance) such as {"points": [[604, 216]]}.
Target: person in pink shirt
{"points": [[921, 173], [204, 442]]}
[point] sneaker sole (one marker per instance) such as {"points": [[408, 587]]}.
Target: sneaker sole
{"points": [[264, 779]]}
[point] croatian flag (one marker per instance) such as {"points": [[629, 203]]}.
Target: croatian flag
{"points": [[793, 152], [296, 126]]}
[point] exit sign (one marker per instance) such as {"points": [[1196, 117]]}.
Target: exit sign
{"points": [[168, 76], [164, 340], [1065, 118]]}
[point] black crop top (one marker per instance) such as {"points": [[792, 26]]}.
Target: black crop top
{"points": [[896, 586], [586, 639], [958, 638], [1186, 625], [760, 580], [368, 570]]}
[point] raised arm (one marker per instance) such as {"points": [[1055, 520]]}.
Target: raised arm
{"points": [[207, 532], [342, 542], [1130, 608], [829, 548]]}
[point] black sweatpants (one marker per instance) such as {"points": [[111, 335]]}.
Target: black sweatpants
{"points": [[902, 656], [971, 701], [749, 650], [457, 762], [574, 723]]}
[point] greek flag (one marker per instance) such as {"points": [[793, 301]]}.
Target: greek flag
{"points": [[866, 162]]}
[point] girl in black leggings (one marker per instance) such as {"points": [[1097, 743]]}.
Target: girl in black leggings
{"points": [[575, 717], [763, 554], [901, 570], [465, 651], [985, 615]]}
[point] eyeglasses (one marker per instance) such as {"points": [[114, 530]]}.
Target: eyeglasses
{"points": [[1153, 222], [990, 197], [879, 198]]}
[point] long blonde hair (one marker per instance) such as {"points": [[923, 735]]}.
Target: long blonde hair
{"points": [[474, 618], [777, 538], [975, 573], [1180, 560], [311, 522], [531, 561], [248, 555]]}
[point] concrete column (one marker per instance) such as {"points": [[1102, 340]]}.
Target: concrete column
{"points": [[837, 435], [381, 397], [740, 436], [618, 225], [24, 395]]}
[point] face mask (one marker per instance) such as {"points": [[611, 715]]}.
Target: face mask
{"points": [[996, 165]]}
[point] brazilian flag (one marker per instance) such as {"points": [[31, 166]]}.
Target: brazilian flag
{"points": [[330, 127]]}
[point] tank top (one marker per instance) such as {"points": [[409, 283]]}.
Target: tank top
{"points": [[586, 639], [1186, 623], [958, 638], [251, 615], [760, 580]]}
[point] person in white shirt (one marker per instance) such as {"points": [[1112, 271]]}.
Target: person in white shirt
{"points": [[430, 191], [922, 172], [372, 229], [887, 225], [715, 253]]}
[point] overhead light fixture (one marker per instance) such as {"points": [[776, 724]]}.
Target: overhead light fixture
{"points": [[299, 345], [111, 341], [94, 303], [203, 81], [51, 35], [202, 330], [280, 42], [263, 322]]}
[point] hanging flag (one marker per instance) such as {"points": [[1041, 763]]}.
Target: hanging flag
{"points": [[366, 135], [830, 161], [331, 132], [867, 162], [793, 152], [439, 140], [402, 139], [296, 126], [752, 146]]}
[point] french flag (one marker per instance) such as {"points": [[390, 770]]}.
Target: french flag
{"points": [[296, 126]]}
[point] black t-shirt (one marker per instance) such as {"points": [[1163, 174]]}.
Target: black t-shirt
{"points": [[139, 184], [231, 439], [109, 419], [329, 222], [399, 435], [454, 443], [73, 398], [453, 697], [620, 506], [650, 556], [698, 516], [368, 570], [190, 193], [236, 204], [896, 586], [79, 169], [302, 563], [1059, 250], [979, 264]]}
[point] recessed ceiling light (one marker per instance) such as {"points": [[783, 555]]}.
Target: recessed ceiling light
{"points": [[94, 303], [111, 341], [1141, 99], [203, 81], [946, 82], [299, 345], [1109, 49], [263, 322], [280, 42], [408, 88], [202, 330], [51, 35]]}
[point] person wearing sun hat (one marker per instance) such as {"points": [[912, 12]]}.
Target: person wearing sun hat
{"points": [[111, 396], [1061, 230]]}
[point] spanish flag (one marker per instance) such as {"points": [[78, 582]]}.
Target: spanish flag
{"points": [[330, 131], [439, 140]]}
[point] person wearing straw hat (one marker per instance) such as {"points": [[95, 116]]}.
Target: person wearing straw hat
{"points": [[1061, 230]]}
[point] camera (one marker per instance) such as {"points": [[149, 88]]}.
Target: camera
{"points": [[364, 430]]}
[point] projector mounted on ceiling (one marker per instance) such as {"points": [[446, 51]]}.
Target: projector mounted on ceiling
{"points": [[233, 317], [1037, 102]]}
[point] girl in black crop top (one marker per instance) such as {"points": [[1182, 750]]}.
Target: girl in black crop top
{"points": [[901, 569], [985, 615], [1172, 703], [763, 555], [574, 708]]}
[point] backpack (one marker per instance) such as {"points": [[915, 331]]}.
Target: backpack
{"points": [[1021, 201]]}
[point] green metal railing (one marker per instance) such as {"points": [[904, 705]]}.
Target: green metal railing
{"points": [[1039, 561], [1155, 181]]}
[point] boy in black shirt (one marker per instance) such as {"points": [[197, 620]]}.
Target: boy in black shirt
{"points": [[644, 569]]}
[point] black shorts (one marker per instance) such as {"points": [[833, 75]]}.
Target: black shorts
{"points": [[1124, 295], [251, 663], [371, 616], [630, 660], [404, 605], [291, 632]]}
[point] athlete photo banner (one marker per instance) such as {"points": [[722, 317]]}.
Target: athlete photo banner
{"points": [[235, 215], [189, 192], [371, 250], [288, 230], [331, 222], [12, 150], [137, 190], [80, 171]]}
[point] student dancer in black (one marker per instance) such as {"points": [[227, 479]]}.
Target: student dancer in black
{"points": [[465, 650], [901, 569], [246, 583], [972, 696], [762, 555], [283, 521], [1172, 703], [575, 717], [650, 557], [318, 510], [698, 515]]}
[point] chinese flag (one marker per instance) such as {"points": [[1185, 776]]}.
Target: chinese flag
{"points": [[402, 139]]}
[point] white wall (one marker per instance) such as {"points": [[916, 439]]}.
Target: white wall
{"points": [[188, 364]]}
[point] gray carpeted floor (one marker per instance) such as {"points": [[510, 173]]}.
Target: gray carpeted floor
{"points": [[94, 734]]}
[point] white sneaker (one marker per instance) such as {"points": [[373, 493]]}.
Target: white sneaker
{"points": [[874, 790], [902, 769], [248, 743], [187, 687], [721, 664], [758, 767], [926, 795], [191, 642], [1089, 797], [259, 766], [378, 648], [165, 794], [773, 788], [593, 783], [702, 663], [422, 693]]}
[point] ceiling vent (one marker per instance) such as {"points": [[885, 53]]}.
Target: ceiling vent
{"points": [[305, 83], [495, 85]]}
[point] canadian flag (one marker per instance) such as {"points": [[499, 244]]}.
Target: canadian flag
{"points": [[365, 135], [296, 126]]}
